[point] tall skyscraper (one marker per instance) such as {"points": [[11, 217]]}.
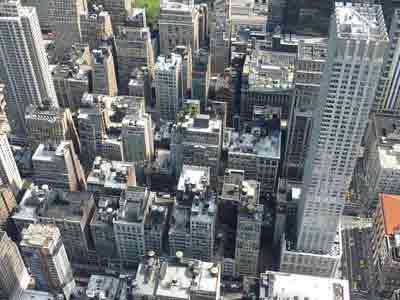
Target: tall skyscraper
{"points": [[9, 173], [14, 277], [66, 16], [357, 43], [23, 62], [45, 256]]}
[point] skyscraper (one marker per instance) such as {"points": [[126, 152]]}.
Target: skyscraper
{"points": [[23, 62], [9, 173], [45, 255], [66, 16], [357, 43], [14, 277]]}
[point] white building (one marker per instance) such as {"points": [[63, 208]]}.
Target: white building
{"points": [[356, 46], [23, 63], [168, 81], [286, 286], [45, 256], [9, 173], [14, 277]]}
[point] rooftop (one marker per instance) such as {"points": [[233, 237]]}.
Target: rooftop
{"points": [[49, 153], [102, 287], [276, 285], [201, 123], [40, 236], [197, 177], [112, 174], [167, 64], [360, 21], [256, 142], [36, 295], [177, 279], [389, 156], [265, 74], [391, 211]]}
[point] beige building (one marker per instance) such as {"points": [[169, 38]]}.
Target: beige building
{"points": [[48, 124], [179, 26], [7, 205], [104, 80]]}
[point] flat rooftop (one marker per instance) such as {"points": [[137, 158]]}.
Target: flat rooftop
{"points": [[391, 212], [254, 143], [197, 177], [40, 236], [389, 157], [36, 295], [201, 123], [360, 22], [276, 285], [48, 153], [103, 287], [112, 174]]}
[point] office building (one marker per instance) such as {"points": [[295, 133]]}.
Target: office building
{"points": [[387, 91], [179, 279], [71, 212], [168, 82], [200, 76], [21, 37], [196, 139], [65, 18], [9, 173], [266, 82], [179, 26], [7, 206], [33, 200], [186, 53], [43, 12], [385, 245], [103, 74], [119, 10], [50, 125], [14, 277], [44, 254], [194, 215], [71, 77], [39, 295], [277, 285], [102, 232], [137, 135], [108, 179], [311, 57], [341, 119], [58, 166], [129, 225], [96, 28], [134, 51], [220, 37], [241, 211], [257, 151]]}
